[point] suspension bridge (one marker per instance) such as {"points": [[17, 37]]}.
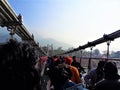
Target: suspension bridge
{"points": [[14, 25]]}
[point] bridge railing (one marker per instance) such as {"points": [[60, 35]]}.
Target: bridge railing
{"points": [[94, 62], [13, 22]]}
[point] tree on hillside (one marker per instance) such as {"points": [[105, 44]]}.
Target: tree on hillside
{"points": [[96, 53], [59, 50], [115, 54]]}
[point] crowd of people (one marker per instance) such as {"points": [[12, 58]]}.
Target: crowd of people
{"points": [[68, 74], [21, 70], [17, 71]]}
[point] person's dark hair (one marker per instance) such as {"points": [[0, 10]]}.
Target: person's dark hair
{"points": [[111, 71], [100, 73], [17, 66], [63, 72], [59, 75], [74, 58], [101, 64]]}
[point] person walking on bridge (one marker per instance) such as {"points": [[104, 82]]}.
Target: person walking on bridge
{"points": [[111, 80], [77, 65], [75, 73], [94, 75]]}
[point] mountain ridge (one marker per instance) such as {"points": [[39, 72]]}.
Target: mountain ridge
{"points": [[55, 43], [4, 36]]}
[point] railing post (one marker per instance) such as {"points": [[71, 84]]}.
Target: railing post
{"points": [[108, 44], [80, 56], [12, 26], [89, 62], [12, 31]]}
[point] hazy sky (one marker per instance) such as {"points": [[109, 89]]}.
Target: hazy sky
{"points": [[71, 21]]}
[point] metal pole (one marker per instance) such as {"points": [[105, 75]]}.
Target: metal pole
{"points": [[80, 56], [12, 31], [52, 51], [108, 44], [89, 62], [47, 49]]}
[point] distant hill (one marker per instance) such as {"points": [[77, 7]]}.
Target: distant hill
{"points": [[55, 43], [4, 36]]}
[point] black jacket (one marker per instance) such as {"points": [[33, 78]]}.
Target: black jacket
{"points": [[108, 85]]}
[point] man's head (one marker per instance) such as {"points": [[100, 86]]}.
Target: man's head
{"points": [[101, 64], [111, 71], [68, 60]]}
